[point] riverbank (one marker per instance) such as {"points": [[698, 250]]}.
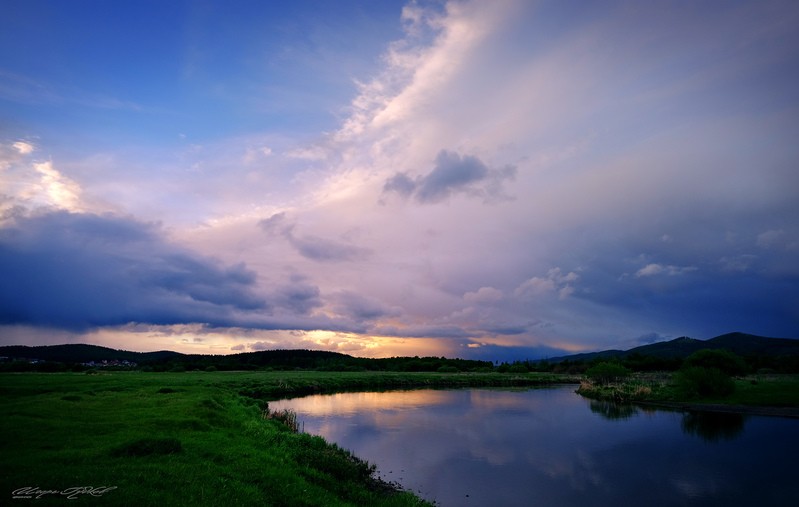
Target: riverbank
{"points": [[767, 395], [196, 438]]}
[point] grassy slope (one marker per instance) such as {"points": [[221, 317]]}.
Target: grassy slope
{"points": [[66, 430]]}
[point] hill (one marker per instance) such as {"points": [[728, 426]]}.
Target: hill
{"points": [[82, 353], [69, 356], [740, 343]]}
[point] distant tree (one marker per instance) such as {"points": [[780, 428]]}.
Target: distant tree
{"points": [[696, 381], [722, 360], [606, 372], [518, 368]]}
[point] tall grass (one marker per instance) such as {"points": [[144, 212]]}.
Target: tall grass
{"points": [[635, 388], [286, 416]]}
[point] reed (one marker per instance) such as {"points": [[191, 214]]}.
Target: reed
{"points": [[286, 416]]}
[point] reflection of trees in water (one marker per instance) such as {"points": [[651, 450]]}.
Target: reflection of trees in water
{"points": [[709, 426], [611, 410], [713, 426]]}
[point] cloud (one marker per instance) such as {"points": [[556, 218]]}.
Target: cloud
{"points": [[359, 307], [739, 263], [325, 250], [274, 223], [771, 239], [256, 154], [483, 295], [646, 174], [654, 269], [554, 281], [436, 47], [451, 174], [12, 154], [310, 246], [24, 148], [312, 153], [78, 271], [400, 183], [35, 184], [299, 297], [55, 188], [257, 346]]}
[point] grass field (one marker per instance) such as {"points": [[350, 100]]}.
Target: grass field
{"points": [[755, 391], [196, 438]]}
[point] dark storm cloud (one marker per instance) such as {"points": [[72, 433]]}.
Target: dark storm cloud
{"points": [[728, 281], [425, 331], [360, 308], [299, 297], [400, 183], [79, 271], [452, 173]]}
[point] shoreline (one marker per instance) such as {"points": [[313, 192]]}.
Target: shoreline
{"points": [[767, 411]]}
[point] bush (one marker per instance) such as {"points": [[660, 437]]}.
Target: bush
{"points": [[695, 381], [448, 369], [722, 360], [604, 373]]}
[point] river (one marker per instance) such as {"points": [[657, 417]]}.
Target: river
{"points": [[552, 447]]}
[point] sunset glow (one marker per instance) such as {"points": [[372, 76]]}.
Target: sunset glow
{"points": [[479, 179]]}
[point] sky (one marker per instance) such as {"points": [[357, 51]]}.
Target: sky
{"points": [[490, 180]]}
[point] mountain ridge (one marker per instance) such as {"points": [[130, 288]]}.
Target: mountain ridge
{"points": [[740, 343]]}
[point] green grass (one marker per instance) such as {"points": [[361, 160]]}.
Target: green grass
{"points": [[780, 390], [197, 438], [763, 391]]}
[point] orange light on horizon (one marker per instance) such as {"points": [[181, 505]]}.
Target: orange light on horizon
{"points": [[197, 339]]}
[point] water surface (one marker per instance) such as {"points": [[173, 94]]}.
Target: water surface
{"points": [[552, 447]]}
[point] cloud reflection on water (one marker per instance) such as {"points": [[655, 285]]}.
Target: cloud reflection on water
{"points": [[549, 447]]}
